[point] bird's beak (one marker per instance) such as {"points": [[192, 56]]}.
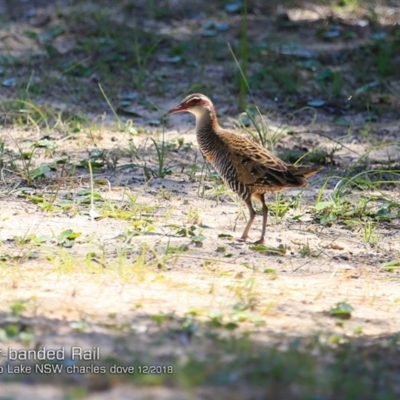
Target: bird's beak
{"points": [[177, 109]]}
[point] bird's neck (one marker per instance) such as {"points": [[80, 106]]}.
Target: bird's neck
{"points": [[207, 131], [206, 120]]}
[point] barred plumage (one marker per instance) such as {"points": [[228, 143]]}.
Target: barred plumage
{"points": [[247, 168]]}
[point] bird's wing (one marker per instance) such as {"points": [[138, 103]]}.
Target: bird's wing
{"points": [[256, 166]]}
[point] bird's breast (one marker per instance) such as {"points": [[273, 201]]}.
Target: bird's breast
{"points": [[210, 157]]}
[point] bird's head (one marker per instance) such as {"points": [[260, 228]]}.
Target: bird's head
{"points": [[197, 104]]}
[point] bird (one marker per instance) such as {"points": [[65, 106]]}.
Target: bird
{"points": [[248, 169]]}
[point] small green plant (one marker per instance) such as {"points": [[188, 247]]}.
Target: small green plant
{"points": [[176, 249], [353, 4], [193, 216], [247, 293], [341, 310], [161, 170], [269, 250], [263, 134], [17, 332], [341, 208], [305, 250], [331, 80], [67, 238], [191, 232], [391, 266], [382, 53], [282, 205], [23, 112], [369, 233], [18, 307], [198, 240], [24, 165]]}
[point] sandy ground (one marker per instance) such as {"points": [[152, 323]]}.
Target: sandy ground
{"points": [[340, 266]]}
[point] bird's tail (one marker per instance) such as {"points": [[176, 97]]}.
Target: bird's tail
{"points": [[304, 171]]}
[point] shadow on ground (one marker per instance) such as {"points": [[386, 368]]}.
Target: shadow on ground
{"points": [[189, 358]]}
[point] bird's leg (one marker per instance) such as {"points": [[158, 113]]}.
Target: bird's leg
{"points": [[260, 198], [245, 235]]}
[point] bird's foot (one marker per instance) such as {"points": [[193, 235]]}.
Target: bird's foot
{"points": [[244, 239]]}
